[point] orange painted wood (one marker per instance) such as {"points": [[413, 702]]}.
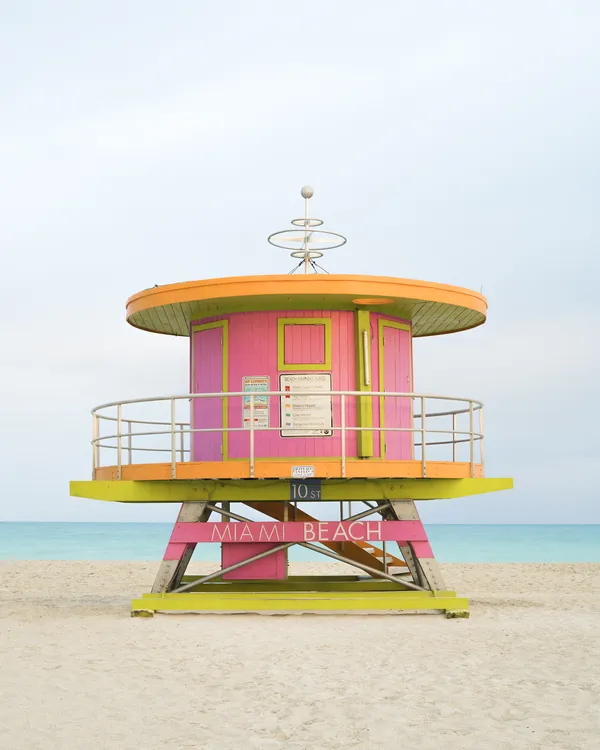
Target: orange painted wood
{"points": [[265, 469], [437, 308], [289, 285], [354, 550]]}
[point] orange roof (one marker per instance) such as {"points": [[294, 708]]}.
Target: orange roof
{"points": [[433, 308]]}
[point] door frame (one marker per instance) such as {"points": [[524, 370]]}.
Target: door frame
{"points": [[224, 325], [381, 324]]}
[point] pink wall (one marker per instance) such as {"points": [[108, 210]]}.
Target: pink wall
{"points": [[253, 352], [304, 344], [397, 411], [271, 568]]}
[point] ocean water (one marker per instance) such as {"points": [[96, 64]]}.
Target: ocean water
{"points": [[147, 541]]}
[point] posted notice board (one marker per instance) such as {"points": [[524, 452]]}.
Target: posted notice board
{"points": [[306, 416], [261, 403]]}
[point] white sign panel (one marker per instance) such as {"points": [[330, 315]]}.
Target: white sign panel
{"points": [[302, 472], [306, 416], [261, 403]]}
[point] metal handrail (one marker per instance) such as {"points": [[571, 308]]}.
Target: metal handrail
{"points": [[183, 428], [232, 394], [134, 421]]}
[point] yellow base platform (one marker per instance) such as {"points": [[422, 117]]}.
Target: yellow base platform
{"points": [[301, 595]]}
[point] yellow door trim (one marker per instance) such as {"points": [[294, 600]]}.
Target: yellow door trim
{"points": [[224, 324]]}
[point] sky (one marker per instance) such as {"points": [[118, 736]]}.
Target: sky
{"points": [[147, 143]]}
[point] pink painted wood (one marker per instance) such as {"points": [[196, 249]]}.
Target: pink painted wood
{"points": [[174, 551], [253, 352], [405, 352], [294, 531], [207, 377], [304, 344], [396, 377], [422, 549], [273, 567]]}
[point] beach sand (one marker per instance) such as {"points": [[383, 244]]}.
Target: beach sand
{"points": [[77, 672]]}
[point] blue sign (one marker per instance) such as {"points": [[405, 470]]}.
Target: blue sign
{"points": [[305, 489]]}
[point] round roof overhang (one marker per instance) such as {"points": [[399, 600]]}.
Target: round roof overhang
{"points": [[433, 309]]}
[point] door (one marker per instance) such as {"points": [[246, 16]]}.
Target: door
{"points": [[396, 378], [207, 378]]}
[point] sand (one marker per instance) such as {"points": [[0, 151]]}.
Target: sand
{"points": [[77, 672]]}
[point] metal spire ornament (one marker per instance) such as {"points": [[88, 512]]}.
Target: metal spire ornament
{"points": [[307, 243]]}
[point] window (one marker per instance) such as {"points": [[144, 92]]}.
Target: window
{"points": [[304, 343]]}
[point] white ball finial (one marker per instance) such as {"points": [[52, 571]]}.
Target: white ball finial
{"points": [[307, 192]]}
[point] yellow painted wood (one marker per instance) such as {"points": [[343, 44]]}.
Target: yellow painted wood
{"points": [[364, 406], [178, 491], [290, 601], [188, 578], [282, 323], [278, 592], [224, 324]]}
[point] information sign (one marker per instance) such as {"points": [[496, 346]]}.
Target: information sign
{"points": [[306, 416], [261, 403]]}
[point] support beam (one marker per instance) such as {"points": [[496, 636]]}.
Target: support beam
{"points": [[418, 555], [235, 566], [171, 571], [356, 550], [366, 568]]}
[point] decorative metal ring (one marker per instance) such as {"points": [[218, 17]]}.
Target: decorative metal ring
{"points": [[310, 254], [307, 222], [300, 232]]}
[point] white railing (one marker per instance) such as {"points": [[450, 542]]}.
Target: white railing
{"points": [[178, 433]]}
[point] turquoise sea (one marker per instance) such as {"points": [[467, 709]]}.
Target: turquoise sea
{"points": [[147, 541]]}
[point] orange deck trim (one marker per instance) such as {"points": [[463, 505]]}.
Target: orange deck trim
{"points": [[266, 469]]}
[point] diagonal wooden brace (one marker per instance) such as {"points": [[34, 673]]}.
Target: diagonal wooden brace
{"points": [[177, 556], [418, 555]]}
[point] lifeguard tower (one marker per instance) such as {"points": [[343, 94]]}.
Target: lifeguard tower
{"points": [[301, 426]]}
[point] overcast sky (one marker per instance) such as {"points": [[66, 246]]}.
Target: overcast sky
{"points": [[146, 143]]}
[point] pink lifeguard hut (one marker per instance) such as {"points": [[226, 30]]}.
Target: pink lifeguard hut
{"points": [[301, 404]]}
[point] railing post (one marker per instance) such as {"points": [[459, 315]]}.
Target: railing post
{"points": [[119, 440], [423, 453], [454, 437], [252, 436], [343, 428], [471, 440], [481, 438], [95, 447], [384, 550], [181, 443], [173, 442], [129, 448]]}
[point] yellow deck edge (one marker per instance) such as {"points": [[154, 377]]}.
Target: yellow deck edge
{"points": [[178, 490]]}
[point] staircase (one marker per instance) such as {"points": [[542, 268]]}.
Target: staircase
{"points": [[361, 552]]}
